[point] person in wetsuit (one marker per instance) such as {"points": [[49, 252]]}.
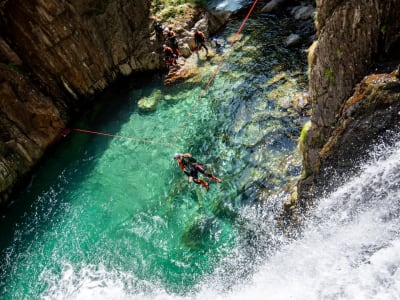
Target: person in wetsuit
{"points": [[158, 27], [191, 167], [172, 41], [200, 40], [169, 56]]}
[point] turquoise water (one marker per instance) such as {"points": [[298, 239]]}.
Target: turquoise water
{"points": [[110, 216]]}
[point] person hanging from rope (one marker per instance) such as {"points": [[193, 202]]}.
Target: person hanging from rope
{"points": [[191, 167], [158, 27], [200, 41], [170, 36], [169, 56]]}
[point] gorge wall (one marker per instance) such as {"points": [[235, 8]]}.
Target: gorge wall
{"points": [[54, 55], [353, 37]]}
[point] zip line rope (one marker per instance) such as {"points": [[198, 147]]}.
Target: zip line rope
{"points": [[194, 106], [123, 137]]}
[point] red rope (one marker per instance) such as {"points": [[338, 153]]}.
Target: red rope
{"points": [[123, 137], [202, 93]]}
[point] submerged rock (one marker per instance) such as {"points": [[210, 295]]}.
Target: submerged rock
{"points": [[293, 40]]}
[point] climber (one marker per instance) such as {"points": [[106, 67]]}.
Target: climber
{"points": [[169, 56], [170, 36], [191, 167], [158, 27], [200, 40]]}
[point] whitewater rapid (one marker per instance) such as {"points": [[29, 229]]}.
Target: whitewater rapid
{"points": [[349, 249], [351, 244]]}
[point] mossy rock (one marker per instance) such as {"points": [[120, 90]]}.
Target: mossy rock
{"points": [[147, 103], [150, 103]]}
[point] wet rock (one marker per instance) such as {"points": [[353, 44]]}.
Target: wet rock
{"points": [[349, 40], [293, 40], [150, 103], [273, 6], [197, 232], [300, 101], [371, 111], [303, 12]]}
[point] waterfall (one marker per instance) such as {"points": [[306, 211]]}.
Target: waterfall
{"points": [[350, 246]]}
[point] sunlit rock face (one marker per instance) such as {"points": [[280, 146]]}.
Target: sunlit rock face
{"points": [[353, 36]]}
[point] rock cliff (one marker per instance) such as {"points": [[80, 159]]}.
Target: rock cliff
{"points": [[55, 55], [353, 36]]}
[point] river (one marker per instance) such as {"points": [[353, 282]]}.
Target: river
{"points": [[114, 218]]}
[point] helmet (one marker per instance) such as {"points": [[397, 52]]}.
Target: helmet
{"points": [[176, 156], [164, 46]]}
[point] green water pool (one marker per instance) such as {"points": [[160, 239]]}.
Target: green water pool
{"points": [[103, 209]]}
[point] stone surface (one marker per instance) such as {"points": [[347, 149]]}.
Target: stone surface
{"points": [[56, 55], [352, 35]]}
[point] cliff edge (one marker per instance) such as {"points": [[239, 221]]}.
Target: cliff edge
{"points": [[354, 37]]}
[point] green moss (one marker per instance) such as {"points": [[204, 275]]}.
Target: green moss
{"points": [[303, 134], [328, 73], [171, 12], [383, 29], [165, 8]]}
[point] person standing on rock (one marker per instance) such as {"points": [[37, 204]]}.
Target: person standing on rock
{"points": [[172, 41], [200, 41], [158, 27], [191, 167], [169, 56]]}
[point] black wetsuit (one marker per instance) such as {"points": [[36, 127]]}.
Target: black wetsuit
{"points": [[194, 167]]}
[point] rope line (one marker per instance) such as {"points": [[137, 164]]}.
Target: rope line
{"points": [[195, 104], [204, 90], [123, 137]]}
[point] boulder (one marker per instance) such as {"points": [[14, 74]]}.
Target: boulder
{"points": [[293, 40]]}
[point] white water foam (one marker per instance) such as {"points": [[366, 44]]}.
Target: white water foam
{"points": [[349, 249]]}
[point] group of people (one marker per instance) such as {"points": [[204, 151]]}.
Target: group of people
{"points": [[168, 36], [171, 46]]}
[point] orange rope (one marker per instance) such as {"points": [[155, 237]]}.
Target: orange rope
{"points": [[123, 137], [202, 93]]}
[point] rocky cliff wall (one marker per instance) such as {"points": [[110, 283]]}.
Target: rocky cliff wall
{"points": [[352, 37], [55, 54]]}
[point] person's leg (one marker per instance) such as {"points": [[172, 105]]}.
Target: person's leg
{"points": [[209, 175], [204, 45], [202, 182]]}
